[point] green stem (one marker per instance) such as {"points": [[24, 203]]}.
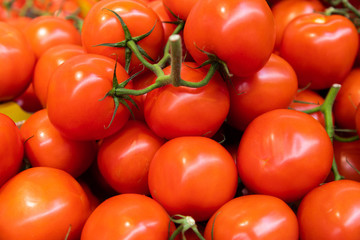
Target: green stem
{"points": [[176, 59], [349, 6], [346, 139], [212, 70]]}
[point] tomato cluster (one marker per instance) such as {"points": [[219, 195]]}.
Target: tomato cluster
{"points": [[167, 119]]}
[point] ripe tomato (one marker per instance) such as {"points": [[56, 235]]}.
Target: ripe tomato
{"points": [[222, 27], [180, 9], [253, 217], [347, 100], [76, 104], [46, 147], [128, 216], [276, 81], [308, 99], [45, 32], [11, 149], [331, 211], [28, 101], [182, 111], [14, 49], [192, 176], [47, 64], [308, 37], [125, 156], [285, 11], [42, 203], [347, 157], [102, 26], [281, 144]]}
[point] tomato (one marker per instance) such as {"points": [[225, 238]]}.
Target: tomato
{"points": [[281, 144], [180, 9], [285, 11], [330, 212], [20, 22], [42, 203], [28, 100], [164, 16], [128, 216], [76, 104], [276, 81], [308, 37], [182, 111], [45, 32], [102, 26], [222, 27], [125, 156], [253, 217], [307, 99], [14, 49], [347, 100], [347, 156], [47, 64], [45, 146], [11, 149], [192, 176]]}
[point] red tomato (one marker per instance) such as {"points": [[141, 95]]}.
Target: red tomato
{"points": [[181, 9], [276, 81], [128, 216], [19, 22], [164, 16], [285, 11], [45, 32], [253, 217], [192, 176], [102, 26], [14, 49], [28, 101], [182, 111], [124, 157], [331, 211], [47, 64], [347, 156], [308, 37], [42, 203], [46, 147], [279, 145], [75, 98], [308, 99], [11, 149], [240, 33], [346, 100]]}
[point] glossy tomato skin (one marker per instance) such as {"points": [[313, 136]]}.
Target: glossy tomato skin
{"points": [[128, 216], [276, 81], [244, 49], [253, 217], [347, 157], [180, 9], [124, 157], [307, 99], [45, 32], [347, 100], [15, 49], [101, 26], [285, 11], [75, 98], [308, 37], [11, 149], [281, 144], [330, 212], [192, 176], [183, 111], [47, 64], [42, 203], [46, 147]]}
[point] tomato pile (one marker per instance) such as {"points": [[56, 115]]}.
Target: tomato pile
{"points": [[168, 119]]}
